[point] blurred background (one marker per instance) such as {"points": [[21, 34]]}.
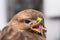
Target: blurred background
{"points": [[50, 9]]}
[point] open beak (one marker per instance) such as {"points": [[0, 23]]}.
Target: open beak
{"points": [[38, 26]]}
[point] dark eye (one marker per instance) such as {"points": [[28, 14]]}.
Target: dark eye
{"points": [[27, 21]]}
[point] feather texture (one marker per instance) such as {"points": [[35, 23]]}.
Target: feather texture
{"points": [[16, 29]]}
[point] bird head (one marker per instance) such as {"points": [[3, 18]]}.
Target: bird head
{"points": [[28, 19]]}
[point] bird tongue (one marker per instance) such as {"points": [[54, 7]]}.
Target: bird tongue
{"points": [[37, 27]]}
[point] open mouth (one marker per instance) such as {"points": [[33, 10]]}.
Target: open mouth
{"points": [[37, 27]]}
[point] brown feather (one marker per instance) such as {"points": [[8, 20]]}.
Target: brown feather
{"points": [[16, 28]]}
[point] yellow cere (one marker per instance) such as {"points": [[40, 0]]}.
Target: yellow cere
{"points": [[39, 19]]}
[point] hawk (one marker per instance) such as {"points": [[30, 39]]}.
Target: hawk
{"points": [[25, 25]]}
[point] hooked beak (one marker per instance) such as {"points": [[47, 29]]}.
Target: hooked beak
{"points": [[38, 26]]}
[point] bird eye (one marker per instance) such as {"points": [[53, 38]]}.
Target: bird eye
{"points": [[27, 21]]}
